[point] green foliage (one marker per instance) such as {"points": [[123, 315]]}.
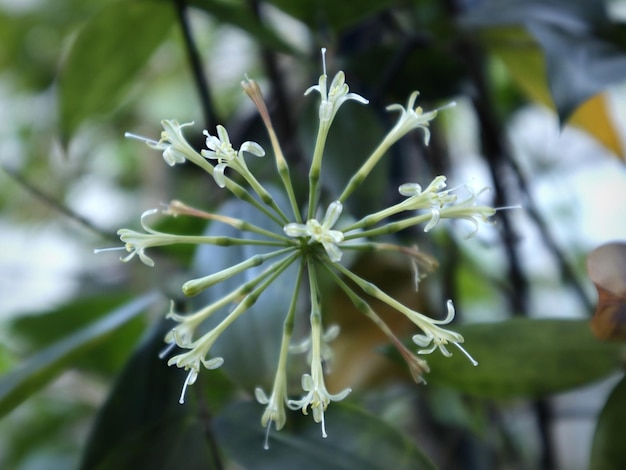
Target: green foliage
{"points": [[94, 55], [19, 384], [143, 425], [107, 56], [356, 440], [608, 443]]}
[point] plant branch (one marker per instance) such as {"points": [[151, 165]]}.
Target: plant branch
{"points": [[200, 78]]}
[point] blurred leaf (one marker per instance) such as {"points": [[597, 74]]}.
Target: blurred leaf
{"points": [[607, 452], [142, 425], [356, 439], [525, 358], [43, 329], [525, 63], [240, 14], [251, 344], [7, 359], [607, 269], [39, 370], [337, 15], [579, 65], [106, 56], [583, 50]]}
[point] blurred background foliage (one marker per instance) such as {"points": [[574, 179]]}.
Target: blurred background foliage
{"points": [[540, 95]]}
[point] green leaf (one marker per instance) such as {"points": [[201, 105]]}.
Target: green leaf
{"points": [[42, 329], [251, 344], [525, 358], [142, 425], [607, 452], [106, 56], [356, 439], [39, 370]]}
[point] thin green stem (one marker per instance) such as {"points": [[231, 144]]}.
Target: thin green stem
{"points": [[237, 190], [369, 288], [195, 286], [316, 311], [389, 228], [367, 166], [316, 168], [176, 208], [250, 299], [265, 196]]}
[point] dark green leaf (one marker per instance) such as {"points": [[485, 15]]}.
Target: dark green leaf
{"points": [[142, 425], [335, 14], [607, 452], [32, 375], [240, 14], [250, 345], [106, 57], [356, 439], [525, 358]]}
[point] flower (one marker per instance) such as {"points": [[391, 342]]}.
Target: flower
{"points": [[439, 337], [321, 233], [432, 197], [196, 355], [317, 398], [221, 149], [136, 242], [333, 99], [468, 210], [175, 147], [411, 118], [326, 351]]}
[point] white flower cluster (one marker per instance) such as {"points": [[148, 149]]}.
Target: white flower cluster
{"points": [[313, 245]]}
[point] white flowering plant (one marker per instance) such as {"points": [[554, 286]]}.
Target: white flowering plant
{"points": [[309, 240]]}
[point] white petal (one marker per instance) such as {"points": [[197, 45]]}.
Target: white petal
{"points": [[253, 148], [296, 230], [218, 174], [333, 251], [332, 214], [260, 396], [410, 189]]}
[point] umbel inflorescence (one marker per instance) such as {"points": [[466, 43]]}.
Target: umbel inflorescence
{"points": [[314, 239]]}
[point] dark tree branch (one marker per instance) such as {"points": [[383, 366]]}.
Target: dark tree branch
{"points": [[282, 112], [201, 81], [498, 159], [58, 206]]}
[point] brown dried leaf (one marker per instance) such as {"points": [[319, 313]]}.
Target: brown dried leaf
{"points": [[606, 266]]}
